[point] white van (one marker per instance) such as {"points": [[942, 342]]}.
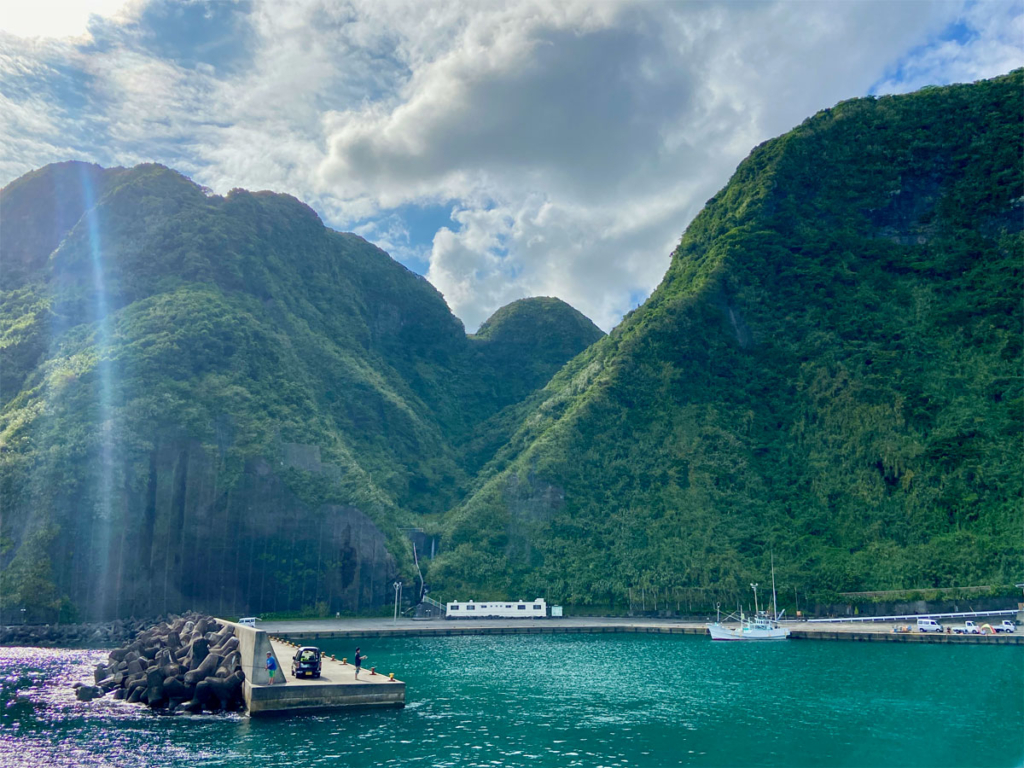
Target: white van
{"points": [[249, 621], [928, 625]]}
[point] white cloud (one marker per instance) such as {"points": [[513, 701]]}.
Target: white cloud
{"points": [[572, 141], [59, 18], [990, 43]]}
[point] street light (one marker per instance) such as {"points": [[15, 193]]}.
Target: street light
{"points": [[754, 587], [398, 588]]}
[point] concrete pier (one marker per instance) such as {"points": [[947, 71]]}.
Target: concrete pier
{"points": [[336, 688], [311, 631]]}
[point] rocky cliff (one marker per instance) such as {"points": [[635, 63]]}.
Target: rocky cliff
{"points": [[218, 403]]}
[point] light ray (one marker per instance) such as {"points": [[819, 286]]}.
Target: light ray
{"points": [[104, 513]]}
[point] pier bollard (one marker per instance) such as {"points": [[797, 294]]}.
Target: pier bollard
{"points": [[391, 676], [344, 660], [373, 670]]}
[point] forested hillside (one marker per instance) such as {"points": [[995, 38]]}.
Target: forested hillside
{"points": [[830, 371], [217, 402]]}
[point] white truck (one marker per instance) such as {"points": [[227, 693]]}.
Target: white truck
{"points": [[1006, 626], [969, 628]]}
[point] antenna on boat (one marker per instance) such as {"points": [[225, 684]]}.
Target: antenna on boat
{"points": [[775, 604]]}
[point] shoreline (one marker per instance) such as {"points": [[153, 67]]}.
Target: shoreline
{"points": [[331, 629], [85, 637]]}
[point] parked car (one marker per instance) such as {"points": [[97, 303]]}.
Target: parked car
{"points": [[1006, 626], [928, 625], [969, 628], [306, 662]]}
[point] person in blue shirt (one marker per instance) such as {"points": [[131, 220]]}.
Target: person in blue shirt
{"points": [[271, 666], [359, 662]]}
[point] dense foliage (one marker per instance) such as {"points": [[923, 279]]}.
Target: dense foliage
{"points": [[829, 371], [216, 402], [159, 343]]}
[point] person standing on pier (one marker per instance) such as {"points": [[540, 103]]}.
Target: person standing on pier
{"points": [[358, 662], [271, 666]]}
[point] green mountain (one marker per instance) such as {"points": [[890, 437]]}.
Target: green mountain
{"points": [[217, 402], [830, 373]]}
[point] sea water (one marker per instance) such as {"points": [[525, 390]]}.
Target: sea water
{"points": [[581, 700]]}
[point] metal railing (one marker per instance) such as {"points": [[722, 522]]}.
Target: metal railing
{"points": [[909, 616], [431, 601]]}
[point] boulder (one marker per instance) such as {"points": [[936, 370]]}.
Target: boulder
{"points": [[88, 692]]}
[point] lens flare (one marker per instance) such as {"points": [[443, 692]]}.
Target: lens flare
{"points": [[104, 513]]}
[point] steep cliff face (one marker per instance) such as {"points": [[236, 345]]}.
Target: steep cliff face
{"points": [[218, 403], [829, 370]]}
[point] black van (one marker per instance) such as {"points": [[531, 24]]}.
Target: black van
{"points": [[306, 662]]}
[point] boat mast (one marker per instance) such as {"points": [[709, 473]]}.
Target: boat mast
{"points": [[775, 605]]}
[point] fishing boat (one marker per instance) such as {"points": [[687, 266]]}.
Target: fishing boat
{"points": [[763, 626]]}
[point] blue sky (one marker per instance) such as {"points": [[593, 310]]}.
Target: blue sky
{"points": [[502, 150]]}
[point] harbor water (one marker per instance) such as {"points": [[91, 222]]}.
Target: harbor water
{"points": [[577, 700]]}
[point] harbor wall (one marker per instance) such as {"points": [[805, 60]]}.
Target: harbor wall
{"points": [[886, 636], [305, 698]]}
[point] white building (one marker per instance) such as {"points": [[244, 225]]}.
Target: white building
{"points": [[538, 609]]}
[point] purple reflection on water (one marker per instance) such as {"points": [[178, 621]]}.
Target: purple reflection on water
{"points": [[43, 724]]}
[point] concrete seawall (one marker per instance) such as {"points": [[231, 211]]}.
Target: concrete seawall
{"points": [[310, 631], [253, 645]]}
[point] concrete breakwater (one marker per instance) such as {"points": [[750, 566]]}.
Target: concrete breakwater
{"points": [[311, 631], [192, 663], [336, 687]]}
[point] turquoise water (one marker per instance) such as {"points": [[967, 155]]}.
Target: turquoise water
{"points": [[583, 700]]}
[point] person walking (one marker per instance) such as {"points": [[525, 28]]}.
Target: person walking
{"points": [[359, 662], [271, 666]]}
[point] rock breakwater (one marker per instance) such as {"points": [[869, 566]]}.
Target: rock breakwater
{"points": [[188, 663], [95, 635]]}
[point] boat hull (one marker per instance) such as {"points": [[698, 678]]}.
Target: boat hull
{"points": [[718, 632]]}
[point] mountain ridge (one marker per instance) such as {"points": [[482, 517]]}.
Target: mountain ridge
{"points": [[777, 391], [187, 362]]}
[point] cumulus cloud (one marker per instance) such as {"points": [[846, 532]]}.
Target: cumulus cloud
{"points": [[570, 143]]}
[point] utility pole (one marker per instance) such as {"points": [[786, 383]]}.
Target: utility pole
{"points": [[398, 589]]}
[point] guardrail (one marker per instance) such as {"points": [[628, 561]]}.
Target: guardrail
{"points": [[910, 616], [431, 601]]}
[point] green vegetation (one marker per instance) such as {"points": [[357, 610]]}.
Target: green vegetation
{"points": [[246, 387], [216, 403], [829, 371]]}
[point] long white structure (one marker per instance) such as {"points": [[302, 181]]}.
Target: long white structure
{"points": [[507, 609]]}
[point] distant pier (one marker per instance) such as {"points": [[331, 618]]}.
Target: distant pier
{"points": [[358, 629]]}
